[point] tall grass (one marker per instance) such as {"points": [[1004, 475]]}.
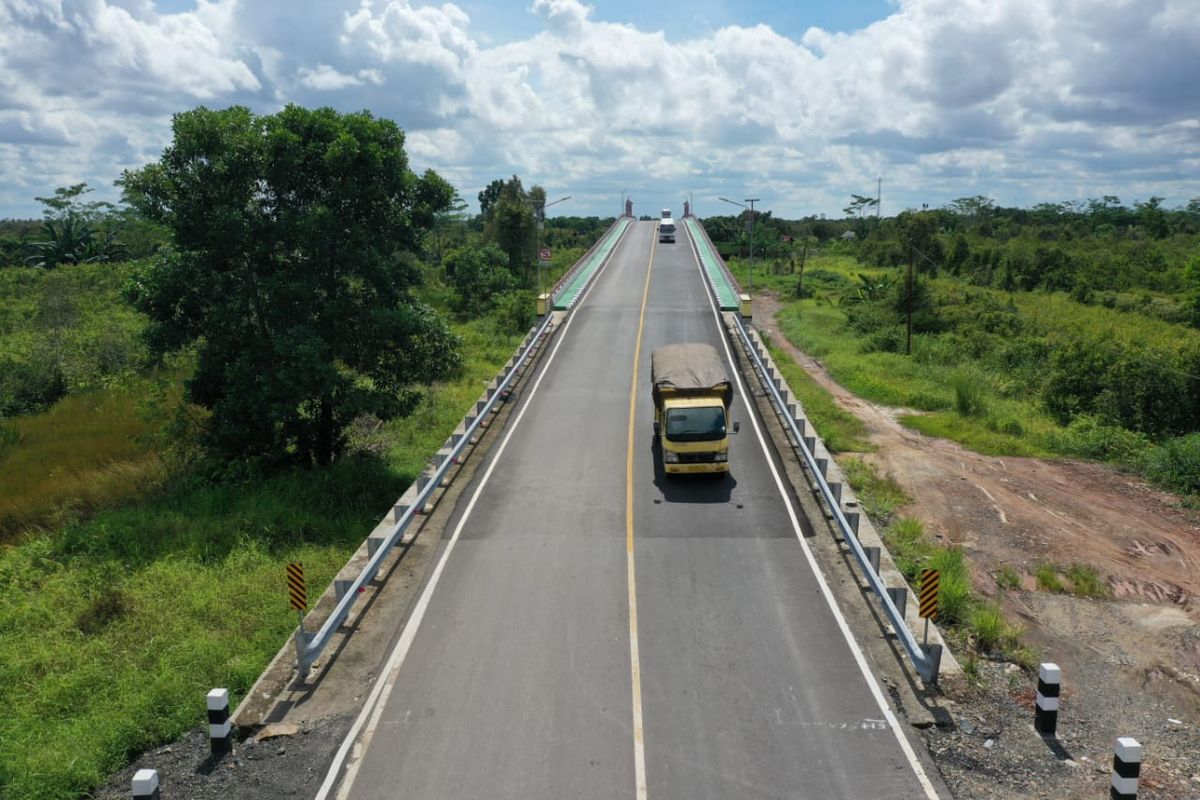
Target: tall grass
{"points": [[85, 453], [1086, 582], [969, 395], [1047, 577], [954, 586]]}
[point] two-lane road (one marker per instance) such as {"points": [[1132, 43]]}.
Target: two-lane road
{"points": [[535, 665]]}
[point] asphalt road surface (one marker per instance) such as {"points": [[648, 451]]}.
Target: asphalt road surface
{"points": [[593, 630]]}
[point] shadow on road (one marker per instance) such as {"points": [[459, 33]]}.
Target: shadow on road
{"points": [[702, 488]]}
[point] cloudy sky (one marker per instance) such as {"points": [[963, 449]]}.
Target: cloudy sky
{"points": [[798, 102]]}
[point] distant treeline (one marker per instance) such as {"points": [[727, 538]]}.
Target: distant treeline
{"points": [[1083, 247]]}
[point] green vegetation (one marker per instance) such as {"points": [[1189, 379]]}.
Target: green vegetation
{"points": [[137, 570], [1085, 582], [1008, 578], [290, 350], [1023, 365], [114, 623], [87, 452], [979, 623], [879, 495], [1047, 577], [991, 630], [65, 331], [841, 431]]}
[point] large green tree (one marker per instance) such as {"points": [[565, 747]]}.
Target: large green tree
{"points": [[291, 274]]}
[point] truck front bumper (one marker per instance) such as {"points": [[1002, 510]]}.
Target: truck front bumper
{"points": [[690, 469]]}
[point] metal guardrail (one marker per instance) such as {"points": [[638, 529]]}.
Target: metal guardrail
{"points": [[925, 659], [310, 645]]}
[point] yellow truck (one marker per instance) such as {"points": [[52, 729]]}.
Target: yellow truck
{"points": [[692, 394]]}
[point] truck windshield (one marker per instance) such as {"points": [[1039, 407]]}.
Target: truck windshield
{"points": [[704, 424]]}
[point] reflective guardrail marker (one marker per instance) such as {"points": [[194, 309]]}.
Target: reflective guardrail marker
{"points": [[297, 591]]}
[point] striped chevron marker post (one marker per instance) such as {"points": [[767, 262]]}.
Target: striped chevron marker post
{"points": [[220, 729], [1127, 766], [1045, 714], [145, 785]]}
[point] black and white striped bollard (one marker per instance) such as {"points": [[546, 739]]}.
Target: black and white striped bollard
{"points": [[145, 785], [220, 729], [1127, 766], [1045, 715]]}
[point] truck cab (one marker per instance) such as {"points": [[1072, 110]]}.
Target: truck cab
{"points": [[692, 395]]}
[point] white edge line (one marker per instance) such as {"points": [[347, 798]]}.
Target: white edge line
{"points": [[373, 708], [859, 658]]}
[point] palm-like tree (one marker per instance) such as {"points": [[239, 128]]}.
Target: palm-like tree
{"points": [[70, 240]]}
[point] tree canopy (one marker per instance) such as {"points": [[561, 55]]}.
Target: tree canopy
{"points": [[291, 274]]}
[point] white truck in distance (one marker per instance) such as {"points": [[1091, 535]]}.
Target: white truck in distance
{"points": [[666, 230]]}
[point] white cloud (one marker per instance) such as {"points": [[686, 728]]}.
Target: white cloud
{"points": [[325, 78], [1019, 99]]}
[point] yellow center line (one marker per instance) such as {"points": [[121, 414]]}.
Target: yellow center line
{"points": [[635, 664]]}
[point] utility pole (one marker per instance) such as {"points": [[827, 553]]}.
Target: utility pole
{"points": [[751, 201], [908, 341], [539, 214], [800, 280], [878, 200]]}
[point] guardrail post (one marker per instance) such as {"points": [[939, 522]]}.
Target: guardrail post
{"points": [[303, 664], [220, 729], [872, 554], [1045, 712], [835, 489], [1126, 768], [145, 785], [851, 520], [810, 442], [822, 466], [899, 598], [340, 586], [933, 654]]}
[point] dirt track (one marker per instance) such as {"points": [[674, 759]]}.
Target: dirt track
{"points": [[1144, 643]]}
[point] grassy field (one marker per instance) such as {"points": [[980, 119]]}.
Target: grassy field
{"points": [[983, 390], [144, 589], [87, 452]]}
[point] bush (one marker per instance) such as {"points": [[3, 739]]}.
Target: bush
{"points": [[26, 386], [1005, 424], [1175, 464], [480, 276], [1088, 437], [515, 312], [885, 340]]}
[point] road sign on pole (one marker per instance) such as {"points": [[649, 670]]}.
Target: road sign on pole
{"points": [[297, 591], [545, 254], [929, 593]]}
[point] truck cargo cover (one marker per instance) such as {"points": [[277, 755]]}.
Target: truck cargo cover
{"points": [[692, 368]]}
